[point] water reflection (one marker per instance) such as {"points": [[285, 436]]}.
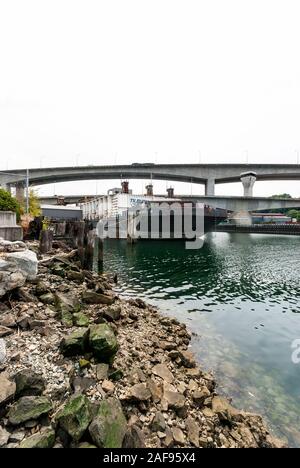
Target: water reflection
{"points": [[240, 293]]}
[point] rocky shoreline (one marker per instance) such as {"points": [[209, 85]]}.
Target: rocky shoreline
{"points": [[80, 367]]}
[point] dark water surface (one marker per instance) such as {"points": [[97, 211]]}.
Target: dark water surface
{"points": [[240, 294]]}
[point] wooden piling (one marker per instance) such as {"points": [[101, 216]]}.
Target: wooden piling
{"points": [[93, 251], [46, 240]]}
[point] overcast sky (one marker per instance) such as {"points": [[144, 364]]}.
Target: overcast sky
{"points": [[98, 82]]}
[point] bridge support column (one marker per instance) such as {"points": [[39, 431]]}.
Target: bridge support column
{"points": [[241, 218], [210, 187], [20, 192], [248, 180]]}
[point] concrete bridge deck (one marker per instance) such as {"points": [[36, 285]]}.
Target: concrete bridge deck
{"points": [[229, 203], [208, 174]]}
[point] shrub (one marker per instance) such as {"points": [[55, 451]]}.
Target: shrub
{"points": [[8, 202]]}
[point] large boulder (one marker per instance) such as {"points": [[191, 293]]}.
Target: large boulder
{"points": [[28, 408], [103, 342], [8, 246], [44, 439], [91, 297], [108, 428], [26, 262], [75, 417], [66, 306], [75, 343], [16, 267]]}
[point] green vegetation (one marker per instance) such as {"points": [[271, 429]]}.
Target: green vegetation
{"points": [[287, 211], [282, 195], [8, 202], [294, 214], [34, 204]]}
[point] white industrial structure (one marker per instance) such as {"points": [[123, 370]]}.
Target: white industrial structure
{"points": [[117, 202]]}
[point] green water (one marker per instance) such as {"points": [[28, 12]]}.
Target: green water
{"points": [[239, 294]]}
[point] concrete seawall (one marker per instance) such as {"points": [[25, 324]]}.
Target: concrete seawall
{"points": [[9, 230]]}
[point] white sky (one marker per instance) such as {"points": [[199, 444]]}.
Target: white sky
{"points": [[98, 82]]}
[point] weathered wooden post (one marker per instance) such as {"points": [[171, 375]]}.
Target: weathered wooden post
{"points": [[46, 240], [99, 253], [61, 229], [93, 257], [78, 234]]}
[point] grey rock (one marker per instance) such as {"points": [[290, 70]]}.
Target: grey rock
{"points": [[140, 392], [75, 343], [44, 439], [7, 389], [91, 297], [103, 342], [163, 372], [134, 438], [102, 371], [16, 268], [188, 359], [158, 423], [199, 396], [26, 262], [75, 417], [48, 298], [112, 313], [175, 400], [178, 436], [193, 431], [27, 408], [29, 383], [17, 436], [8, 320]]}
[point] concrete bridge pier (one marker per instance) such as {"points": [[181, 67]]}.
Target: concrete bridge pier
{"points": [[20, 192], [210, 187], [242, 217], [248, 180]]}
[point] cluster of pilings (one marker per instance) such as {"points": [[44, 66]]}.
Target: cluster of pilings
{"points": [[80, 235]]}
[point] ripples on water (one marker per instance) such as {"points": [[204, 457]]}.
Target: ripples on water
{"points": [[240, 294]]}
